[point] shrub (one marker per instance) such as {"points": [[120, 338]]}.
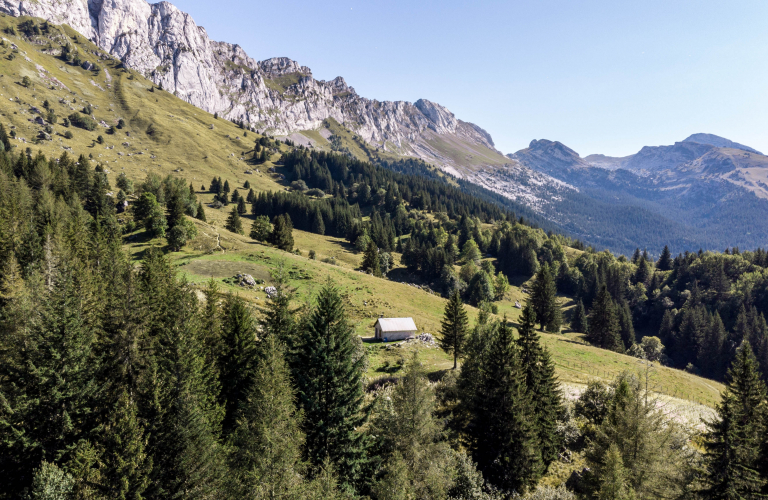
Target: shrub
{"points": [[82, 121], [312, 254], [316, 192], [100, 140], [68, 134], [26, 81], [120, 123]]}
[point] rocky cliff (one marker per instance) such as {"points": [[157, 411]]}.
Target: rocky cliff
{"points": [[276, 95]]}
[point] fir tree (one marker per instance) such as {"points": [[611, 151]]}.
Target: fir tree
{"points": [[282, 233], [330, 388], [234, 223], [542, 384], [241, 210], [370, 262], [579, 321], [506, 444], [454, 327], [665, 260], [603, 323], [238, 359], [734, 438], [318, 226], [200, 212], [278, 318], [268, 439], [261, 229], [544, 299], [626, 327], [127, 465]]}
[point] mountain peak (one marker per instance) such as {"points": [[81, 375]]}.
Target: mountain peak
{"points": [[719, 142]]}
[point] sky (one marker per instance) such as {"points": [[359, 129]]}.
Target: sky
{"points": [[599, 76]]}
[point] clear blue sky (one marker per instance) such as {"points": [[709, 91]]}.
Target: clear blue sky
{"points": [[600, 76]]}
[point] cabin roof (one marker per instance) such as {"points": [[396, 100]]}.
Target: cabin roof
{"points": [[397, 324]]}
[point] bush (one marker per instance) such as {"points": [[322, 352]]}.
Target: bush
{"points": [[312, 254], [299, 185], [82, 121], [26, 82], [68, 134], [316, 192], [100, 140], [120, 123]]}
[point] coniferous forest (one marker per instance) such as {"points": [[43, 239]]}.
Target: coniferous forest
{"points": [[119, 380]]}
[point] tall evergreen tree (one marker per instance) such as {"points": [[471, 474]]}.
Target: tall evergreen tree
{"points": [[282, 233], [454, 327], [544, 299], [542, 385], [604, 323], [371, 260], [241, 209], [665, 260], [579, 320], [626, 326], [268, 439], [330, 389], [734, 438], [238, 359], [506, 443], [234, 222]]}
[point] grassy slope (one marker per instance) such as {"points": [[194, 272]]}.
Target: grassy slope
{"points": [[188, 148]]}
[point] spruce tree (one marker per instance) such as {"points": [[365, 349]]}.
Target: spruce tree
{"points": [[267, 442], [282, 233], [454, 327], [370, 262], [665, 260], [277, 317], [127, 464], [544, 299], [330, 388], [626, 327], [542, 384], [579, 321], [234, 223], [241, 210], [604, 323], [734, 438], [506, 442], [238, 359]]}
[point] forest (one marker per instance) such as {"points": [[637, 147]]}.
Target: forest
{"points": [[118, 381]]}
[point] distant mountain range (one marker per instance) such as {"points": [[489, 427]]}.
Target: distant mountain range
{"points": [[705, 191]]}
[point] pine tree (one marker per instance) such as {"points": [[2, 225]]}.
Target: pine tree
{"points": [[370, 262], [318, 226], [542, 384], [268, 439], [506, 444], [454, 327], [544, 299], [225, 189], [241, 210], [734, 438], [238, 359], [626, 327], [603, 323], [282, 233], [201, 212], [665, 260], [127, 465], [579, 321], [261, 229], [330, 388], [234, 223], [278, 318]]}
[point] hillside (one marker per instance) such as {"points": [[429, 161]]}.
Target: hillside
{"points": [[276, 96], [166, 136]]}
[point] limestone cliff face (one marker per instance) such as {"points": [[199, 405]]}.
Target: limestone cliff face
{"points": [[277, 95]]}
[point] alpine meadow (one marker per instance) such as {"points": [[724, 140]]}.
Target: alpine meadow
{"points": [[223, 278]]}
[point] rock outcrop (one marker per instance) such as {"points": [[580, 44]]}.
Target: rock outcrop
{"points": [[276, 95]]}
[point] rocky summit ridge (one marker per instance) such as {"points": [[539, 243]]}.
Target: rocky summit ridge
{"points": [[276, 95]]}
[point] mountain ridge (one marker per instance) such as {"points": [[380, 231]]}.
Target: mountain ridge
{"points": [[276, 95]]}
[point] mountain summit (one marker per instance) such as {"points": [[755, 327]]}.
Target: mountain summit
{"points": [[719, 142]]}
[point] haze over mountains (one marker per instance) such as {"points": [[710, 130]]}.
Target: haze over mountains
{"points": [[702, 192]]}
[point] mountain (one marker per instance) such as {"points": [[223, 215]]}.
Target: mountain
{"points": [[720, 142], [276, 95], [703, 195]]}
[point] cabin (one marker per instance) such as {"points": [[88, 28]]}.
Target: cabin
{"points": [[395, 328]]}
